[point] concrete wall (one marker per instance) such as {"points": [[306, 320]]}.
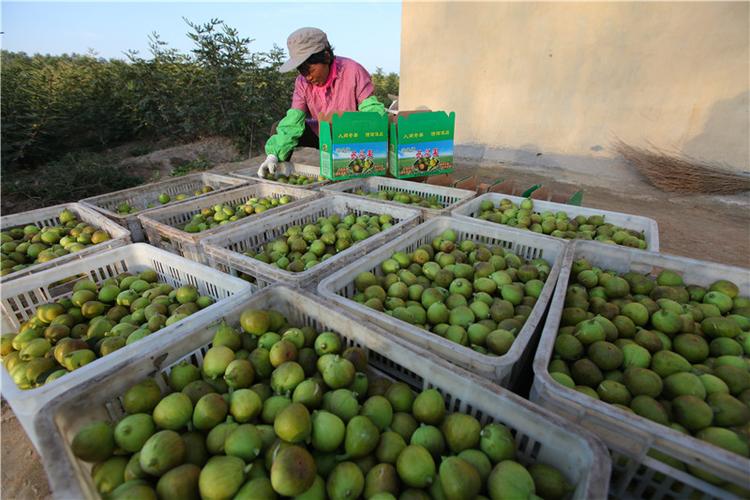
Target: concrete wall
{"points": [[567, 79]]}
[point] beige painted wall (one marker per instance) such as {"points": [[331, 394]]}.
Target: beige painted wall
{"points": [[566, 79]]}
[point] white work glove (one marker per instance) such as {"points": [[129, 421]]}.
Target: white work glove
{"points": [[268, 166]]}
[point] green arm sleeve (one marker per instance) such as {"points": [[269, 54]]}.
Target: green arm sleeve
{"points": [[288, 132], [372, 104]]}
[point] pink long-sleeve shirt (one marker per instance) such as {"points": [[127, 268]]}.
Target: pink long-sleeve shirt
{"points": [[348, 84]]}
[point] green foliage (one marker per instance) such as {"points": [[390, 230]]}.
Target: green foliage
{"points": [[384, 85], [71, 178], [140, 150], [55, 105], [199, 164]]}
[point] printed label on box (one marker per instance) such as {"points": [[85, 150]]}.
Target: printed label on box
{"points": [[425, 157], [360, 159]]}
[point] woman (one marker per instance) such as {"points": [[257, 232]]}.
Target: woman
{"points": [[326, 84]]}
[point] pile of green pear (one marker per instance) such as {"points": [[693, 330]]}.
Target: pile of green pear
{"points": [[559, 225], [471, 294], [277, 411], [21, 247], [302, 247], [224, 213], [402, 197], [294, 179], [94, 321], [673, 353], [125, 208]]}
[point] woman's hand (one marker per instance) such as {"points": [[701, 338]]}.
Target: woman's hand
{"points": [[268, 166]]}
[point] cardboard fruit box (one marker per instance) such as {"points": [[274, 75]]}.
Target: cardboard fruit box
{"points": [[421, 143], [353, 144]]}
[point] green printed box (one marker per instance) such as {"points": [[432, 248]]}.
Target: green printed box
{"points": [[353, 144], [421, 143]]}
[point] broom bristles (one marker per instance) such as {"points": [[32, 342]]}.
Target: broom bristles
{"points": [[679, 174]]}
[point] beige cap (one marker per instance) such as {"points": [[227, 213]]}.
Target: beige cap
{"points": [[302, 44]]}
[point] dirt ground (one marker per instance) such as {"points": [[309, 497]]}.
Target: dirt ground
{"points": [[701, 227]]}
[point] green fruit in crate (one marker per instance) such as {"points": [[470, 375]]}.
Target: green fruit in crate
{"points": [[309, 392], [256, 489], [212, 217], [345, 481], [400, 396], [94, 442], [216, 361], [293, 423], [459, 479], [560, 225], [217, 437], [286, 377], [244, 405], [293, 471], [416, 467], [381, 482], [221, 477], [361, 437], [25, 246], [356, 449], [685, 359], [244, 442], [196, 390], [389, 447], [314, 240], [135, 488], [196, 452], [432, 202], [182, 374], [430, 438], [209, 411], [453, 298], [725, 438], [164, 198], [109, 474], [510, 479], [378, 409], [461, 432], [497, 442], [132, 431], [109, 327], [133, 469], [549, 482], [239, 374], [77, 359], [173, 411], [255, 322], [142, 397], [180, 482], [338, 373]]}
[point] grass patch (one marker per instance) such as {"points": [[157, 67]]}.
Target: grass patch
{"points": [[200, 164], [72, 178]]}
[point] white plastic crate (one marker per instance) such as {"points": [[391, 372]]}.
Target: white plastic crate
{"points": [[635, 222], [161, 225], [225, 250], [50, 216], [503, 370], [146, 194], [309, 171], [20, 299], [449, 197], [540, 436], [628, 436]]}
